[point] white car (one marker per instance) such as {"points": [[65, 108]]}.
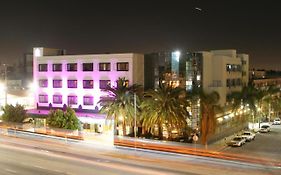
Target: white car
{"points": [[249, 136], [276, 121], [265, 128], [237, 141]]}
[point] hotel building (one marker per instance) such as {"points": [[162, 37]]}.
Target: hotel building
{"points": [[79, 80]]}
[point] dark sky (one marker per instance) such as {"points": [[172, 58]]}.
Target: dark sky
{"points": [[80, 27]]}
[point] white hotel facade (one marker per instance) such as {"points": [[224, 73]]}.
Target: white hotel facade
{"points": [[78, 80]]}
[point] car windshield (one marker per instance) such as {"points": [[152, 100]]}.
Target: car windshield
{"points": [[237, 138], [246, 133], [264, 126], [278, 119]]}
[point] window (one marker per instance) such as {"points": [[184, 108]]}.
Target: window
{"points": [[228, 83], [72, 100], [57, 99], [88, 67], [43, 83], [123, 66], [233, 82], [104, 66], [72, 83], [88, 84], [43, 67], [72, 67], [88, 100], [104, 84], [228, 67], [125, 84], [238, 82], [43, 98], [57, 83], [57, 67]]}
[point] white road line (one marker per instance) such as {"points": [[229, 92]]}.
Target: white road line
{"points": [[11, 171]]}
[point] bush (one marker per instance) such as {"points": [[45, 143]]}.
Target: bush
{"points": [[14, 113], [65, 120]]}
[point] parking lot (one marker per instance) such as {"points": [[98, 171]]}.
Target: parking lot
{"points": [[265, 145]]}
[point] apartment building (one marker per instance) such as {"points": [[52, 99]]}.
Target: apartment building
{"points": [[79, 80], [223, 71]]}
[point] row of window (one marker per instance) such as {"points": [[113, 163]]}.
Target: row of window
{"points": [[233, 82], [71, 100], [86, 67], [87, 84], [233, 68]]}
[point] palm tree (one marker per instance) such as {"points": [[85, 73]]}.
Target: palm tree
{"points": [[164, 106], [118, 104], [247, 98], [271, 99], [208, 104]]}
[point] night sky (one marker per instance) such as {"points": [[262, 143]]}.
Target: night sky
{"points": [[82, 27]]}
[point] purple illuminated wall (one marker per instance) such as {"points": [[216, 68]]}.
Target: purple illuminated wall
{"points": [[86, 92]]}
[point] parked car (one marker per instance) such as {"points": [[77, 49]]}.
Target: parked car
{"points": [[237, 141], [248, 135], [276, 121], [265, 128]]}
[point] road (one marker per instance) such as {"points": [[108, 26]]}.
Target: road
{"points": [[266, 145], [35, 155]]}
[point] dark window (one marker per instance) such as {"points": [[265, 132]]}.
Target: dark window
{"points": [[104, 66], [72, 67], [125, 83], [57, 67], [72, 100], [88, 84], [104, 84], [57, 99], [88, 66], [43, 98], [72, 83], [43, 83], [238, 82], [43, 67], [88, 100], [233, 82], [228, 83], [123, 66], [57, 83]]}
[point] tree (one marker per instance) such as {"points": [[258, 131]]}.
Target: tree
{"points": [[14, 113], [164, 106], [61, 119], [118, 104], [208, 104], [247, 98], [271, 100]]}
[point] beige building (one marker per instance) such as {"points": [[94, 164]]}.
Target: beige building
{"points": [[224, 71]]}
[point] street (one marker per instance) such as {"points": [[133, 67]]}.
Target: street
{"points": [[44, 156], [266, 145]]}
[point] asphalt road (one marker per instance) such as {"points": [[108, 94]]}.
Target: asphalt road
{"points": [[266, 145], [40, 156]]}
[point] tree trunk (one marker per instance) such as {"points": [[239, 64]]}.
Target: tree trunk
{"points": [[160, 132], [124, 128]]}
